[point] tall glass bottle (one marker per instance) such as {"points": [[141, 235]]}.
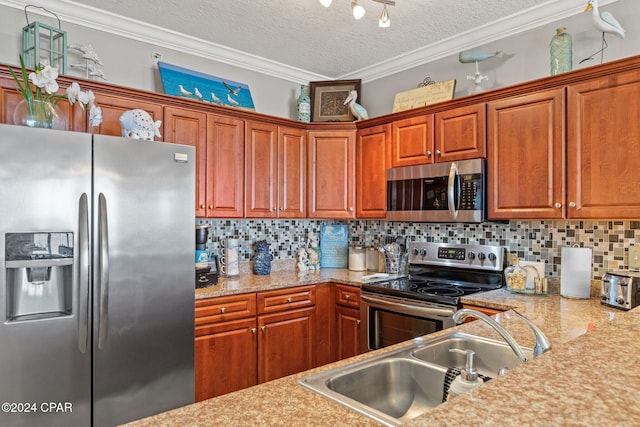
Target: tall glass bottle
{"points": [[304, 105], [561, 52]]}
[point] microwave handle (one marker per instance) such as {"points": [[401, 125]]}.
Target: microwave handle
{"points": [[451, 190]]}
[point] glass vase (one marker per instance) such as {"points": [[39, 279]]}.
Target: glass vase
{"points": [[561, 52], [304, 105], [39, 114]]}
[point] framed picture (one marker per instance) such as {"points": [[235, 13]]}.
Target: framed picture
{"points": [[327, 100]]}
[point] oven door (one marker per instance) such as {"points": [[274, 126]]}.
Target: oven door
{"points": [[389, 320]]}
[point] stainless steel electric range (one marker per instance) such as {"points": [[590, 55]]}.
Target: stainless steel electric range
{"points": [[440, 274]]}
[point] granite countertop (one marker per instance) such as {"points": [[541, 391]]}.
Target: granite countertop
{"points": [[573, 384]]}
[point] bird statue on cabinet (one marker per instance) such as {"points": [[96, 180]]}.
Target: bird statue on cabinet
{"points": [[606, 23], [356, 109]]}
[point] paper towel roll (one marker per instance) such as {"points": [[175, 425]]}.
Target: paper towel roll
{"points": [[575, 272]]}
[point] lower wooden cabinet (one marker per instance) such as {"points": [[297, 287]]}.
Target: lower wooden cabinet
{"points": [[485, 310], [347, 321]]}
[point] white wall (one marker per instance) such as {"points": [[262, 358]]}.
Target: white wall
{"points": [[525, 57]]}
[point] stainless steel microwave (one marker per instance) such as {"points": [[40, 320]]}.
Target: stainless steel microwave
{"points": [[440, 192]]}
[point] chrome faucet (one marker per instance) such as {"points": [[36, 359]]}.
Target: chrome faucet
{"points": [[542, 342]]}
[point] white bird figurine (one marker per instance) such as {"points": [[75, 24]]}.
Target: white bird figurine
{"points": [[215, 98], [356, 109], [197, 92], [232, 101], [183, 91], [605, 22]]}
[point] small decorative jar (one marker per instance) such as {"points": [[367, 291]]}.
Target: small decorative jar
{"points": [[304, 105], [561, 52], [262, 258]]}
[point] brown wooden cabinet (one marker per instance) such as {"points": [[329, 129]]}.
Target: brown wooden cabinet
{"points": [[275, 165], [113, 106], [225, 167], [188, 127], [603, 130], [225, 345], [461, 133], [331, 169], [347, 321], [373, 147], [525, 161], [412, 141], [485, 310]]}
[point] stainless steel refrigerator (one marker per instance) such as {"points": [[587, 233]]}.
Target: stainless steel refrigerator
{"points": [[97, 279]]}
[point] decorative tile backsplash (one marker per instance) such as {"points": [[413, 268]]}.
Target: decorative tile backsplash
{"points": [[528, 240]]}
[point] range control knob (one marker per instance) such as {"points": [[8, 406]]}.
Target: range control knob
{"points": [[481, 256], [471, 255], [620, 300], [492, 256], [423, 252], [604, 297], [415, 251]]}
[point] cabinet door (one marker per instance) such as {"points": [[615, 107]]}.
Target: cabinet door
{"points": [[525, 162], [348, 326], [292, 173], [261, 161], [225, 358], [285, 343], [331, 174], [372, 159], [225, 167], [602, 147], [461, 133], [412, 141], [114, 106], [182, 126]]}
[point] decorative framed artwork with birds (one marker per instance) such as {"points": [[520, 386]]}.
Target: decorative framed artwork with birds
{"points": [[186, 83], [333, 101]]}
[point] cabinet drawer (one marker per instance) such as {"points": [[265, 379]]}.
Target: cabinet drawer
{"points": [[222, 309], [286, 299], [348, 296]]}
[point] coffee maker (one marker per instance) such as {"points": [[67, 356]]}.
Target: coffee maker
{"points": [[206, 268]]}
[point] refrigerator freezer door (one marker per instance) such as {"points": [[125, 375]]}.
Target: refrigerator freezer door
{"points": [[45, 362], [143, 278]]}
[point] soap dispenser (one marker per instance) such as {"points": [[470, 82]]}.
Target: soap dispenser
{"points": [[468, 378]]}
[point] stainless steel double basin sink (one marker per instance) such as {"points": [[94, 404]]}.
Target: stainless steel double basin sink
{"points": [[399, 385]]}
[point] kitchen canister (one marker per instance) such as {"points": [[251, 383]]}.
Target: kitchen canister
{"points": [[575, 272], [229, 257], [373, 259], [357, 258]]}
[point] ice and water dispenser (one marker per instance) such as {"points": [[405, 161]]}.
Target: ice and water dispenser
{"points": [[39, 275]]}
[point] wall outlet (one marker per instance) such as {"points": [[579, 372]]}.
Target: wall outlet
{"points": [[634, 257]]}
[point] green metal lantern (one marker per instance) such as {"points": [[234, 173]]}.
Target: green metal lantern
{"points": [[44, 42]]}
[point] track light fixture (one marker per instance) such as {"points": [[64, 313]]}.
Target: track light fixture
{"points": [[359, 11]]}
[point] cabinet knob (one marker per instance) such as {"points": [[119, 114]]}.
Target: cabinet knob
{"points": [[558, 205], [289, 299], [202, 206], [254, 330], [263, 328], [274, 209], [438, 153], [350, 209], [358, 322], [347, 297], [572, 204], [428, 153], [222, 310], [281, 209], [210, 206]]}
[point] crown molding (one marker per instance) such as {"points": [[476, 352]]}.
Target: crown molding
{"points": [[96, 19]]}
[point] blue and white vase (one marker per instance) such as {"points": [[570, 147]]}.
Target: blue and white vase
{"points": [[561, 52], [262, 258], [304, 105]]}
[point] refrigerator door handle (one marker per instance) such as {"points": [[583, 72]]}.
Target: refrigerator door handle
{"points": [[103, 271], [83, 273]]}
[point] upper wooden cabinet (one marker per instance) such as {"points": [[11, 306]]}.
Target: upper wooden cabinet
{"points": [[331, 181], [275, 165], [225, 167], [461, 133], [603, 134], [373, 146], [525, 162], [188, 127], [412, 141], [113, 107]]}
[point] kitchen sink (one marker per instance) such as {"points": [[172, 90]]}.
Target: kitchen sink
{"points": [[400, 385]]}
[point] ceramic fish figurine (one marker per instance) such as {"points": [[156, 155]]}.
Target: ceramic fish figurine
{"points": [[475, 55], [88, 52], [356, 109], [138, 124]]}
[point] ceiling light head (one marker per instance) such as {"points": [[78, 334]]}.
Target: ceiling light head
{"points": [[384, 21], [326, 3], [358, 11]]}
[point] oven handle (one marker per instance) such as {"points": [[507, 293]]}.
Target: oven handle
{"points": [[411, 309], [451, 190]]}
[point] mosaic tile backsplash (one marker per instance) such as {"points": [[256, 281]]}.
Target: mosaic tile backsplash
{"points": [[528, 240]]}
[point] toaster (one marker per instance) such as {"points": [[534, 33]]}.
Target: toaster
{"points": [[621, 289]]}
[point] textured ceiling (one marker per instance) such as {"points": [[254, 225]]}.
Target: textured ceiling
{"points": [[305, 35]]}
